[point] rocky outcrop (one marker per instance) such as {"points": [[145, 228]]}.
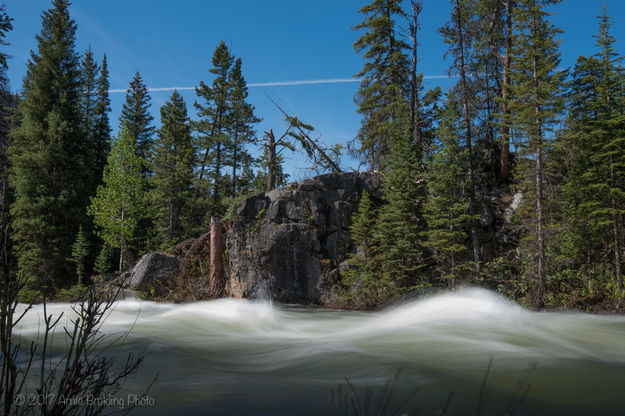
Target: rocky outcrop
{"points": [[291, 244], [153, 267], [288, 244]]}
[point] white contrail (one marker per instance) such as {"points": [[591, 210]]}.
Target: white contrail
{"points": [[284, 83]]}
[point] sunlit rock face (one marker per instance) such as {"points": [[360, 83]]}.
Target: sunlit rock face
{"points": [[288, 244]]}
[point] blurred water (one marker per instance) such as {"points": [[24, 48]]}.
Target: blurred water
{"points": [[239, 357]]}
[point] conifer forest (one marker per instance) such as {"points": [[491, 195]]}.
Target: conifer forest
{"points": [[510, 183]]}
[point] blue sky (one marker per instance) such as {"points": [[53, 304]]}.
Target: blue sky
{"points": [[171, 44]]}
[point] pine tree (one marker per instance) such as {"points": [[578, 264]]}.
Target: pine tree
{"points": [[136, 119], [384, 82], [213, 113], [595, 200], [487, 61], [241, 120], [102, 264], [80, 251], [49, 153], [118, 204], [364, 266], [400, 217], [6, 103], [535, 105], [88, 102], [171, 188], [446, 211], [102, 128], [457, 35]]}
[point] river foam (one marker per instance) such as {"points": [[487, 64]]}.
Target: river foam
{"points": [[445, 342]]}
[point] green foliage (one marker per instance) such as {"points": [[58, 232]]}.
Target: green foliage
{"points": [[213, 112], [49, 154], [102, 128], [232, 204], [594, 196], [363, 225], [135, 118], [80, 251], [535, 106], [73, 294], [118, 204], [241, 121], [446, 211], [400, 218], [384, 76], [171, 183], [102, 266]]}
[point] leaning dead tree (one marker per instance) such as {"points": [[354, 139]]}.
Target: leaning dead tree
{"points": [[317, 152]]}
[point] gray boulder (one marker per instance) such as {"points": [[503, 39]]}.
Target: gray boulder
{"points": [[152, 267], [287, 244]]}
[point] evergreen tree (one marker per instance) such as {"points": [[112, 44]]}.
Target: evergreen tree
{"points": [[49, 153], [102, 264], [136, 119], [457, 35], [595, 200], [213, 113], [171, 188], [88, 103], [384, 82], [80, 251], [102, 128], [446, 211], [535, 105], [364, 266], [7, 101], [241, 120], [271, 161], [118, 204], [400, 218]]}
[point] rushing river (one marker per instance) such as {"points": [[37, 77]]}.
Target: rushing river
{"points": [[238, 357]]}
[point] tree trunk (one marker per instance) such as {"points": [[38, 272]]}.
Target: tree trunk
{"points": [[615, 227], [234, 163], [121, 247], [217, 276], [271, 161], [414, 107], [475, 228], [505, 128], [540, 290], [217, 177]]}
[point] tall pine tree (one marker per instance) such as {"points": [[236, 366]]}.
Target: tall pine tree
{"points": [[536, 104], [399, 223], [458, 37], [49, 154], [241, 121], [171, 189], [383, 88], [136, 119], [213, 112], [6, 102], [594, 196], [446, 211], [88, 103], [102, 128]]}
